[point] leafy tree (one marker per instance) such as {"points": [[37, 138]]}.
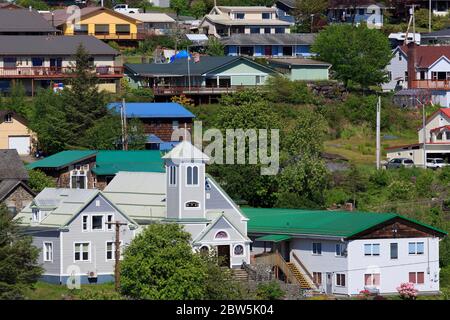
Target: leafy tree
{"points": [[84, 103], [215, 48], [49, 122], [106, 134], [357, 54], [302, 183], [198, 9], [307, 135], [159, 264], [19, 268], [39, 180], [305, 8], [18, 101], [35, 4], [179, 6]]}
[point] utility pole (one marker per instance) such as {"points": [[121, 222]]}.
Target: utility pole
{"points": [[189, 69], [117, 253], [378, 132], [123, 118], [412, 13], [429, 16]]}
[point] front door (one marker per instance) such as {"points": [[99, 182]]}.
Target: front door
{"points": [[223, 253], [329, 286]]}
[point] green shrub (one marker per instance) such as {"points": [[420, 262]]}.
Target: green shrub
{"points": [[336, 196], [424, 183], [401, 190], [269, 291], [380, 178]]}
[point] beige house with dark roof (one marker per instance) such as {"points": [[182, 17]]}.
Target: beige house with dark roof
{"points": [[225, 21], [15, 134]]}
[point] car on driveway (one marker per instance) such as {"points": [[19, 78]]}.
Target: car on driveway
{"points": [[396, 163], [435, 163]]}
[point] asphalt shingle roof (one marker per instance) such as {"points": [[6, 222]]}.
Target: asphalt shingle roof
{"points": [[24, 20], [270, 39], [316, 222], [52, 45], [11, 167]]}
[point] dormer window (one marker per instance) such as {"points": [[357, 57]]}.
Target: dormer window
{"points": [[192, 175], [8, 118], [36, 215]]}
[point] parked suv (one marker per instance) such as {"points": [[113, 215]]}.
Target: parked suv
{"points": [[399, 163], [435, 163]]}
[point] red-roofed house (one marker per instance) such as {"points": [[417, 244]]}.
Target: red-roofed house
{"points": [[437, 140], [421, 67]]}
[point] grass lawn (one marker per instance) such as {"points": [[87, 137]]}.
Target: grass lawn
{"points": [[47, 291], [361, 150]]}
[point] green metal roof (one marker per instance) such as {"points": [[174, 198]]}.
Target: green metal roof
{"points": [[62, 159], [108, 162], [111, 162], [316, 222], [274, 238]]}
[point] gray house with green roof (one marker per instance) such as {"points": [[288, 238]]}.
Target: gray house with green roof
{"points": [[339, 252], [87, 169]]}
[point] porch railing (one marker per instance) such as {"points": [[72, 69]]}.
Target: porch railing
{"points": [[169, 90], [304, 270], [431, 84], [55, 72], [275, 259]]}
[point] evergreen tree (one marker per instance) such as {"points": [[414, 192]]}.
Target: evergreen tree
{"points": [[19, 268], [83, 102]]}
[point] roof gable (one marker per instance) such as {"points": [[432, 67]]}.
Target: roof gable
{"points": [[11, 166], [221, 223]]}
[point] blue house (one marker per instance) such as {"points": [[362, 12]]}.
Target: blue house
{"points": [[269, 45], [160, 120]]}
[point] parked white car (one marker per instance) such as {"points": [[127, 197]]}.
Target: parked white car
{"points": [[435, 163], [124, 8]]}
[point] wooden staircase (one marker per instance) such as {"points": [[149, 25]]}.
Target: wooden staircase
{"points": [[304, 284]]}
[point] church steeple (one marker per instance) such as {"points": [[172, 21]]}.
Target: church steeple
{"points": [[185, 181]]}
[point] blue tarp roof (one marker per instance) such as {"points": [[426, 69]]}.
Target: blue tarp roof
{"points": [[183, 54], [153, 110]]}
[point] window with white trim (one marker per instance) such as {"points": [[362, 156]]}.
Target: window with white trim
{"points": [[85, 223], [109, 219], [340, 280], [417, 277], [48, 251], [78, 177], [372, 249], [221, 235], [416, 248], [172, 175], [36, 215], [339, 251], [192, 204], [97, 222], [111, 250], [317, 248], [371, 279], [238, 250], [192, 175], [81, 251]]}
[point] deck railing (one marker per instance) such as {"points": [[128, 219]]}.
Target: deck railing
{"points": [[56, 72], [275, 259], [431, 84], [169, 90]]}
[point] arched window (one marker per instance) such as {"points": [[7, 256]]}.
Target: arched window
{"points": [[192, 175], [192, 204], [221, 235], [204, 249], [238, 250]]}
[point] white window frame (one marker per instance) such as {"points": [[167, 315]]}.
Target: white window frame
{"points": [[113, 250], [341, 250], [192, 208], [336, 280], [416, 253], [371, 250], [312, 248], [109, 227], [172, 175], [81, 252], [92, 223], [372, 285], [75, 172], [243, 250], [36, 215], [45, 252], [192, 177], [87, 223], [221, 239]]}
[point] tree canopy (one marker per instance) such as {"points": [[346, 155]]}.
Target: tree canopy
{"points": [[357, 54]]}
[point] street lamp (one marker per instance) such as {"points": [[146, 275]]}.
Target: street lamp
{"points": [[424, 133]]}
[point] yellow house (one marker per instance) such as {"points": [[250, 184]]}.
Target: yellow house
{"points": [[15, 134], [103, 23]]}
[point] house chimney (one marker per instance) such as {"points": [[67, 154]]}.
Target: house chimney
{"points": [[411, 64]]}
